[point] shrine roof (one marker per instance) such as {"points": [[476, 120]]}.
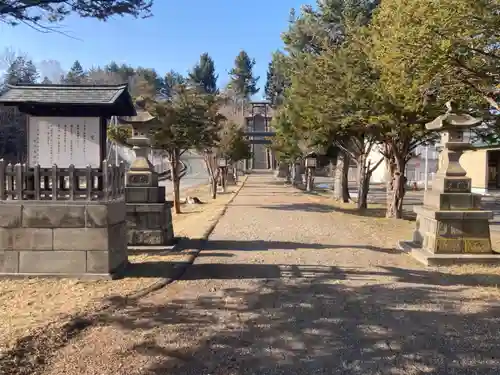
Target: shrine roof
{"points": [[63, 94]]}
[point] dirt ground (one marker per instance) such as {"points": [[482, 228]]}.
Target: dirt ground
{"points": [[486, 277], [288, 284], [27, 304]]}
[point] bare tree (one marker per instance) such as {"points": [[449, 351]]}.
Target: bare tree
{"points": [[103, 77], [8, 56]]}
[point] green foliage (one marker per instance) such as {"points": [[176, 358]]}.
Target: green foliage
{"points": [[277, 79], [46, 81], [203, 75], [76, 74], [151, 77], [243, 82], [437, 50], [124, 71], [36, 12], [187, 121], [120, 135], [233, 144], [285, 142], [326, 24], [172, 79], [21, 71]]}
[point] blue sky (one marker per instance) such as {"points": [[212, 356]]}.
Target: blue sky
{"points": [[173, 39]]}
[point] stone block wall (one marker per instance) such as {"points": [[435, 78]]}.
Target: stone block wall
{"points": [[149, 224], [49, 238]]}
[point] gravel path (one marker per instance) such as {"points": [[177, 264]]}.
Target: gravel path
{"points": [[286, 286]]}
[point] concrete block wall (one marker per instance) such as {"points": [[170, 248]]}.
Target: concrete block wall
{"points": [[62, 238], [149, 224]]}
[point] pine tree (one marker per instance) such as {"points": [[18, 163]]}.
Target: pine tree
{"points": [[30, 73], [172, 79], [203, 74], [76, 75], [277, 79], [151, 77], [46, 81], [243, 83], [21, 71]]}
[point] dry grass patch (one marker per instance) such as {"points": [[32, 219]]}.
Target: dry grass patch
{"points": [[27, 304], [484, 279]]}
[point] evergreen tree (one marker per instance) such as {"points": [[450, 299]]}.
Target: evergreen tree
{"points": [[76, 75], [46, 81], [151, 77], [203, 74], [325, 24], [30, 73], [243, 83], [172, 79], [277, 79], [112, 67], [21, 71]]}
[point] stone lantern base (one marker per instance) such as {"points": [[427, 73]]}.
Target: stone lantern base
{"points": [[149, 224], [451, 228], [149, 217]]}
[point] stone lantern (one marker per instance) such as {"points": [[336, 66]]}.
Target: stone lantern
{"points": [[141, 172], [149, 216], [451, 227]]}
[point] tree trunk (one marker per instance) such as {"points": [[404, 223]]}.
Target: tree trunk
{"points": [[174, 169], [223, 179], [363, 180], [235, 173], [213, 186], [289, 173], [389, 182], [345, 180], [341, 178], [363, 190], [309, 179], [395, 205]]}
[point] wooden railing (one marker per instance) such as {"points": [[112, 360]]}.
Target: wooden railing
{"points": [[20, 182]]}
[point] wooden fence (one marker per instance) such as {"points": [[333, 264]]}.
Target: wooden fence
{"points": [[19, 182]]}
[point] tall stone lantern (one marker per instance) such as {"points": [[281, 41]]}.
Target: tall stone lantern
{"points": [[149, 216], [451, 227]]}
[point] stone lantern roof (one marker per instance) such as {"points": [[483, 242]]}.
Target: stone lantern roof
{"points": [[452, 119], [142, 114]]}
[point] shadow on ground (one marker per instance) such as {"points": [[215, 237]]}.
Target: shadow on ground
{"points": [[167, 268], [378, 212], [311, 321], [260, 245], [295, 320]]}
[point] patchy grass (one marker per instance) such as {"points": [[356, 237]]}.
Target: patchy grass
{"points": [[486, 278], [28, 304], [187, 224]]}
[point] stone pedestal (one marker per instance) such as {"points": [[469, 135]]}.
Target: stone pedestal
{"points": [[149, 217], [451, 228], [149, 224], [75, 239], [136, 194]]}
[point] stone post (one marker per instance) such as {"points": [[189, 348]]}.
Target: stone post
{"points": [[451, 227], [149, 218]]}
